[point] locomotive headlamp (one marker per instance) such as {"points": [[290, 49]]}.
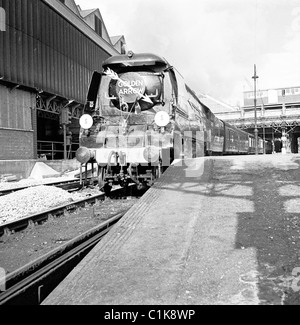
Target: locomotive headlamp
{"points": [[162, 118], [83, 155], [151, 154], [86, 121]]}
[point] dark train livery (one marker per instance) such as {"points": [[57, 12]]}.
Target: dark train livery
{"points": [[140, 116]]}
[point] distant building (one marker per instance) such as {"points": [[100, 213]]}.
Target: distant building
{"points": [[273, 97], [277, 117]]}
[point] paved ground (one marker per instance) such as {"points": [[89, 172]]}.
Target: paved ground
{"points": [[223, 230]]}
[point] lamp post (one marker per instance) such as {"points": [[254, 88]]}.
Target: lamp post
{"points": [[255, 113], [284, 134]]}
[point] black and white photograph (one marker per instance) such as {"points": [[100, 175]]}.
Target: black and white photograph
{"points": [[149, 155]]}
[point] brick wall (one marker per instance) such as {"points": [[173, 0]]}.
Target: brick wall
{"points": [[16, 144]]}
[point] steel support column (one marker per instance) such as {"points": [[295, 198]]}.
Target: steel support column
{"points": [[255, 113]]}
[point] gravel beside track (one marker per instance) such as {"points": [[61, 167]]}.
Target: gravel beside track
{"points": [[31, 200], [33, 182]]}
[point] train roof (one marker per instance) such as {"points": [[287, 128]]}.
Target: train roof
{"points": [[234, 127], [133, 60]]}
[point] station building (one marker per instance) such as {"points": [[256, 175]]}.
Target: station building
{"points": [[48, 52], [277, 117]]}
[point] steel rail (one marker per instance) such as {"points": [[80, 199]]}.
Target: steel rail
{"points": [[68, 185], [19, 224], [32, 283], [22, 223]]}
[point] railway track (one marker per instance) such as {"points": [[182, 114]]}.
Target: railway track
{"points": [[69, 185], [31, 284], [31, 220]]}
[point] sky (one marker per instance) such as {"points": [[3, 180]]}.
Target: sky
{"points": [[214, 44]]}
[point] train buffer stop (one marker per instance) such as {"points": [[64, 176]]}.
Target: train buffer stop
{"points": [[213, 230]]}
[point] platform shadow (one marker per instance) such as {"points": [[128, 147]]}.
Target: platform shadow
{"points": [[270, 227]]}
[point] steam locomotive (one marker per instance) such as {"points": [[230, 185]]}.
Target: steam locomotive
{"points": [[140, 116]]}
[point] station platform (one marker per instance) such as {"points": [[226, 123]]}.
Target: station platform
{"points": [[211, 231]]}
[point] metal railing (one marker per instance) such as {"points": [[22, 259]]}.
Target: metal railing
{"points": [[268, 113], [52, 150]]}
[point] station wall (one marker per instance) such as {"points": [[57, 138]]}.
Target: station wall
{"points": [[16, 123], [16, 144], [42, 50]]}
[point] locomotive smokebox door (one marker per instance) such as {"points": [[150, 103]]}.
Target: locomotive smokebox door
{"points": [[130, 87]]}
